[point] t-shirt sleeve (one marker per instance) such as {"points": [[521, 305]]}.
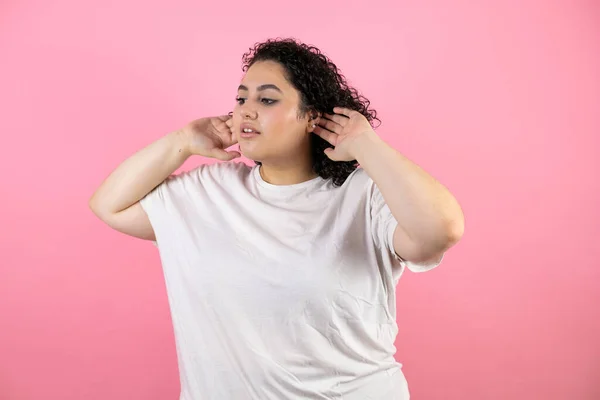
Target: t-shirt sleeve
{"points": [[165, 201], [383, 226]]}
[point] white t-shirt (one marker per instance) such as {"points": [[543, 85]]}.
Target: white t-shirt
{"points": [[279, 292]]}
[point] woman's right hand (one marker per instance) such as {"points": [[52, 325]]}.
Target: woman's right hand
{"points": [[210, 137]]}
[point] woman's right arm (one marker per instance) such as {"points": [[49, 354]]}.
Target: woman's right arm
{"points": [[116, 201]]}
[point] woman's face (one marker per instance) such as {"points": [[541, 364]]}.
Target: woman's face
{"points": [[267, 108]]}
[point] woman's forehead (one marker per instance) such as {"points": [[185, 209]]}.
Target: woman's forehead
{"points": [[265, 74]]}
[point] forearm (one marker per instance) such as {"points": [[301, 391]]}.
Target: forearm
{"points": [[139, 174], [425, 210]]}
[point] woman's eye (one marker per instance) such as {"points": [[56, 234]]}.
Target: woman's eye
{"points": [[268, 102]]}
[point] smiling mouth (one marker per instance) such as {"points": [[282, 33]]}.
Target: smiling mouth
{"points": [[248, 133]]}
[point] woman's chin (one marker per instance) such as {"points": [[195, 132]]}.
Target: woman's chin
{"points": [[250, 153]]}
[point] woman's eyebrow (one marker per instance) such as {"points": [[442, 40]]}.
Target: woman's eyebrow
{"points": [[262, 87]]}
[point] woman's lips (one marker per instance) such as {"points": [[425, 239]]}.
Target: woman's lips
{"points": [[248, 135]]}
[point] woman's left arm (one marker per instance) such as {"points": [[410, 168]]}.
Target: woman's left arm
{"points": [[430, 220]]}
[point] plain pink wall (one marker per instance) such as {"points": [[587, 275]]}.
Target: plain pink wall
{"points": [[500, 102]]}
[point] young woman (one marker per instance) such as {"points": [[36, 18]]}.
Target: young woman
{"points": [[281, 276]]}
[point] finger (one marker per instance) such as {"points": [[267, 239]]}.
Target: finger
{"points": [[330, 125], [344, 111], [225, 155], [330, 152], [338, 119], [229, 141], [326, 135], [234, 154], [224, 117]]}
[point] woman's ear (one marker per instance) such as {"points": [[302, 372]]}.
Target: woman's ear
{"points": [[313, 120], [315, 116]]}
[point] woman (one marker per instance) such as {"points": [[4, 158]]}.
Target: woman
{"points": [[281, 276]]}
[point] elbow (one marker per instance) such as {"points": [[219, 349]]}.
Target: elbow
{"points": [[96, 207], [432, 247], [446, 238], [448, 234], [454, 230], [93, 205]]}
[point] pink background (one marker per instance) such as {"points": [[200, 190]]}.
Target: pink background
{"points": [[500, 102]]}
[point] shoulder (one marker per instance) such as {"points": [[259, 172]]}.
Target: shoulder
{"points": [[204, 176], [223, 171], [358, 175], [359, 183], [356, 190], [358, 180]]}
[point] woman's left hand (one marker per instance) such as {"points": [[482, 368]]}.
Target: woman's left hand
{"points": [[344, 129]]}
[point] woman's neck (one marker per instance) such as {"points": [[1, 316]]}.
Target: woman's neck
{"points": [[290, 175]]}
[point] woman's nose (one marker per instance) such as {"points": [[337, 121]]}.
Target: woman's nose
{"points": [[247, 112]]}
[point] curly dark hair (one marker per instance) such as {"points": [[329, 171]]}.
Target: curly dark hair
{"points": [[322, 87]]}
